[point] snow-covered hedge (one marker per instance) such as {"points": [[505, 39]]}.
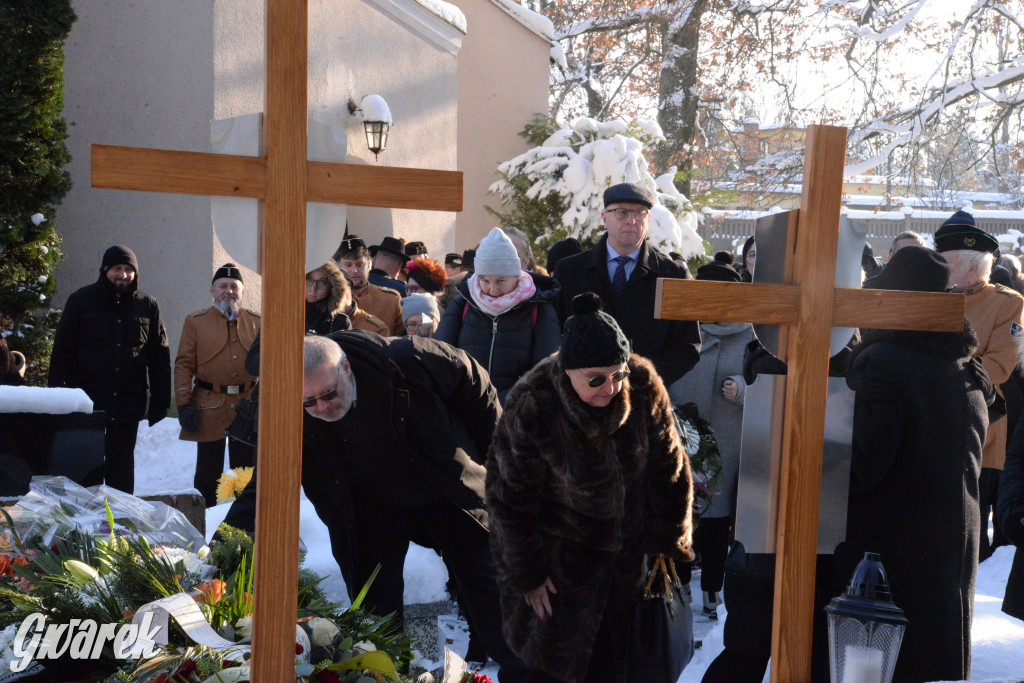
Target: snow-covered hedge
{"points": [[557, 186]]}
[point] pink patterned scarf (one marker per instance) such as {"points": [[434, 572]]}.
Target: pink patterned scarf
{"points": [[495, 306]]}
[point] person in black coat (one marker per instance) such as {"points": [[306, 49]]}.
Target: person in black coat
{"points": [[112, 343], [920, 417], [623, 269], [501, 317], [379, 468], [1010, 511]]}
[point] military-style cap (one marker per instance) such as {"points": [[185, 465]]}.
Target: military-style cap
{"points": [[960, 232], [414, 249], [227, 270]]}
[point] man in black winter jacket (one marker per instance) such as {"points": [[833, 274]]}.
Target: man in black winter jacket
{"points": [[395, 435], [111, 342], [623, 269]]}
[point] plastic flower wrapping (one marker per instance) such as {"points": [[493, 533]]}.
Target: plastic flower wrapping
{"points": [[77, 555], [705, 458]]}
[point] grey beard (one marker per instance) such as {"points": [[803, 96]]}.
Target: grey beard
{"points": [[229, 307]]}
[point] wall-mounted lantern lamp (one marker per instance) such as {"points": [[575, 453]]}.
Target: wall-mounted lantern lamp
{"points": [[376, 118]]}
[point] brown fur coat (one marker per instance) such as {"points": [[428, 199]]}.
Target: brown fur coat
{"points": [[580, 496]]}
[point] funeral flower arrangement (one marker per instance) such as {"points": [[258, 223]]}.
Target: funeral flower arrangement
{"points": [[75, 565], [705, 458]]}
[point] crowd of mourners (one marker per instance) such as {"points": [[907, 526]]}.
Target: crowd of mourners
{"points": [[520, 419]]}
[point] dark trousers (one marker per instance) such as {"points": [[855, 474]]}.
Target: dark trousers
{"points": [[749, 600], [210, 464], [988, 491], [383, 533], [711, 541], [119, 453]]}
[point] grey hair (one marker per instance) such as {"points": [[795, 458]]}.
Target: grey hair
{"points": [[909, 235], [1011, 263], [982, 259], [516, 234], [318, 352]]}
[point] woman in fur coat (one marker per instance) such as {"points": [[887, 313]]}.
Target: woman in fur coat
{"points": [[585, 475]]}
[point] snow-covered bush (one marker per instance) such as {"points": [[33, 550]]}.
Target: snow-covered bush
{"points": [[554, 190]]}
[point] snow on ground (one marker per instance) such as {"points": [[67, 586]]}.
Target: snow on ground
{"points": [[165, 464]]}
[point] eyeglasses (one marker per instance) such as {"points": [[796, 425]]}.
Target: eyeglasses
{"points": [[599, 380], [623, 214], [322, 285], [329, 396]]}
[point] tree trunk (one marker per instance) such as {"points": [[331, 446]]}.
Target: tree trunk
{"points": [[677, 87]]}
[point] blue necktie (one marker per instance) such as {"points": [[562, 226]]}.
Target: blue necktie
{"points": [[619, 277]]}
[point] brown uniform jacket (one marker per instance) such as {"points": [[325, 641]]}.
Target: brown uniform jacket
{"points": [[384, 303], [995, 315], [362, 320], [213, 349]]}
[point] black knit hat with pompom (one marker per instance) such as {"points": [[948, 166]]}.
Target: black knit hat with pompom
{"points": [[720, 269], [592, 338]]}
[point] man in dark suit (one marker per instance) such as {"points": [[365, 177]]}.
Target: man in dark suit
{"points": [[623, 269]]}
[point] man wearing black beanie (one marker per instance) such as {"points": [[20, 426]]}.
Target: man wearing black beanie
{"points": [[111, 342]]}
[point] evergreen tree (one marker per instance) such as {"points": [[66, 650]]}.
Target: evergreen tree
{"points": [[33, 179]]}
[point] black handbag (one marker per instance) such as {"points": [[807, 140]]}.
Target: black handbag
{"points": [[661, 636], [244, 426]]}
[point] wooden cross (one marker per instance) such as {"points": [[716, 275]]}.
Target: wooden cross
{"points": [[807, 305], [283, 180]]}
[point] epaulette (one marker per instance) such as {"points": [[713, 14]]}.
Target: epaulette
{"points": [[1006, 291], [389, 290], [201, 311]]}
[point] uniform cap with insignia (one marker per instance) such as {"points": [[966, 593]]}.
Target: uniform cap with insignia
{"points": [[960, 232], [227, 270]]}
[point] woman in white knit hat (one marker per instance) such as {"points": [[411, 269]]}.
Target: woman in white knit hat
{"points": [[499, 317]]}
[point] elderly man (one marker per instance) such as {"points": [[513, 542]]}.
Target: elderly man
{"points": [[907, 238], [210, 378], [995, 314], [623, 269], [385, 303], [111, 342], [395, 436]]}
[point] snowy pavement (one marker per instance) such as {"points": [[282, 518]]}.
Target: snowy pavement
{"points": [[165, 464]]}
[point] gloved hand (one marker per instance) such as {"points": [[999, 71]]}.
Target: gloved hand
{"points": [[155, 415], [188, 417]]}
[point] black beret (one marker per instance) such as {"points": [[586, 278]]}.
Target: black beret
{"points": [[912, 269], [960, 232], [628, 193], [227, 270]]}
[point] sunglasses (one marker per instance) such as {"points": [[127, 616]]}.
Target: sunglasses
{"points": [[595, 382], [329, 396]]}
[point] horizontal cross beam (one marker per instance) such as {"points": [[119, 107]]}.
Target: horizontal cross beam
{"points": [[224, 175], [778, 305]]}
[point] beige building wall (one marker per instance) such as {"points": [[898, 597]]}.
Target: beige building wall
{"points": [[154, 74], [503, 82]]}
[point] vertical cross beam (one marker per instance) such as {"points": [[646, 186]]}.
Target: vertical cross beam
{"points": [[284, 252], [814, 271]]}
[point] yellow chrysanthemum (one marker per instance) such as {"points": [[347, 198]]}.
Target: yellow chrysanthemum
{"points": [[243, 475], [226, 488]]}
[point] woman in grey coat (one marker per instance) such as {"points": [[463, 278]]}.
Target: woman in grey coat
{"points": [[716, 385]]}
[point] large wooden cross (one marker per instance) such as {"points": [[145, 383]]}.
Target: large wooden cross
{"points": [[283, 180], [807, 305]]}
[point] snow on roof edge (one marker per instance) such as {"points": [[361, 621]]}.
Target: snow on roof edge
{"points": [[446, 11], [537, 23]]}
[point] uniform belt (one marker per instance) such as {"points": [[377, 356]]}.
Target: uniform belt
{"points": [[222, 388]]}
